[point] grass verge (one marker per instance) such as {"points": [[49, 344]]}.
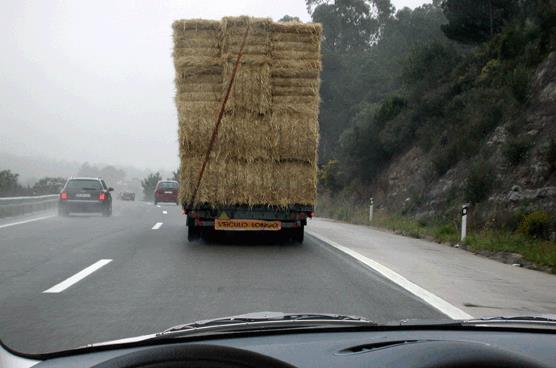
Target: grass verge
{"points": [[533, 253]]}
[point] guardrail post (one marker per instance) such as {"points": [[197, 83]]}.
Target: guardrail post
{"points": [[464, 210], [371, 210]]}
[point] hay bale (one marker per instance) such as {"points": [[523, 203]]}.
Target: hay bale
{"points": [[229, 183], [306, 132], [243, 136], [265, 150]]}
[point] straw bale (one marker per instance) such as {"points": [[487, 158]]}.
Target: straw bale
{"points": [[255, 183], [242, 136], [307, 38], [196, 62], [265, 150], [295, 82], [297, 28], [298, 135], [200, 87], [251, 90], [181, 26], [196, 42], [199, 51]]}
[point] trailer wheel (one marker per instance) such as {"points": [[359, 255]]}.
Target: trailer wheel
{"points": [[193, 233], [298, 234]]}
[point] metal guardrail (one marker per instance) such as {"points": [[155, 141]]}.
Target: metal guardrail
{"points": [[14, 206]]}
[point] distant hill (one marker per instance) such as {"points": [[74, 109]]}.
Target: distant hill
{"points": [[32, 168]]}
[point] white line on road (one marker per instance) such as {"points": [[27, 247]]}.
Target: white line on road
{"points": [[26, 221], [58, 288], [157, 226], [158, 205], [425, 295], [164, 212]]}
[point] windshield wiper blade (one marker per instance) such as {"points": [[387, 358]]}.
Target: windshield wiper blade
{"points": [[261, 317], [514, 319]]}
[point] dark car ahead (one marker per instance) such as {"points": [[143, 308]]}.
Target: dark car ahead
{"points": [[85, 195], [166, 191]]}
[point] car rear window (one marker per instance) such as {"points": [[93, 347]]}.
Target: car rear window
{"points": [[168, 185], [84, 185]]}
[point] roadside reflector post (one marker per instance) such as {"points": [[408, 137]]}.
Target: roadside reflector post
{"points": [[464, 210], [371, 210]]}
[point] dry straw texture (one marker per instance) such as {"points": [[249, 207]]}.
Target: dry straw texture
{"points": [[266, 149]]}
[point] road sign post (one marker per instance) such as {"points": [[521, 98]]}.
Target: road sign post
{"points": [[371, 210], [464, 210]]}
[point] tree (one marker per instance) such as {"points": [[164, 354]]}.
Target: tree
{"points": [[48, 185], [88, 170], [149, 184], [111, 174], [349, 25], [8, 183], [289, 18], [476, 21]]}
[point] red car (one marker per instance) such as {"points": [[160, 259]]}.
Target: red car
{"points": [[166, 191]]}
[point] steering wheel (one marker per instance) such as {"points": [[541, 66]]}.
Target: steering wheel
{"points": [[193, 356]]}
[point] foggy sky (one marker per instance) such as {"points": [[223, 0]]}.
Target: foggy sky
{"points": [[93, 80]]}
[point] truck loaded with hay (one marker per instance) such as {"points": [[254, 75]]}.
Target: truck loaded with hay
{"points": [[247, 95]]}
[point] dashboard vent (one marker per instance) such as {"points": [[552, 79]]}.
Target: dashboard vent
{"points": [[376, 345]]}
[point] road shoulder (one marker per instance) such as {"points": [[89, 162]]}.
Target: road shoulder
{"points": [[478, 286]]}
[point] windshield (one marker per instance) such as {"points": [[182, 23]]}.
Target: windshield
{"points": [[83, 185], [168, 185], [385, 159]]}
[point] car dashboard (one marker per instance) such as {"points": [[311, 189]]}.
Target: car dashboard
{"points": [[413, 348]]}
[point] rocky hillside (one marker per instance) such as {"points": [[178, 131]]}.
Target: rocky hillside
{"points": [[515, 166], [467, 115]]}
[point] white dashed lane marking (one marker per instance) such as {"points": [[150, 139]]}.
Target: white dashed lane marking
{"points": [[157, 226], [26, 221], [58, 288]]}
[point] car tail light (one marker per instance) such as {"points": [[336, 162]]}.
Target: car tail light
{"points": [[102, 197], [63, 196]]}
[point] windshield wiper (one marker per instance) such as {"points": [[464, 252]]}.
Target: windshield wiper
{"points": [[547, 319], [268, 319], [541, 321]]}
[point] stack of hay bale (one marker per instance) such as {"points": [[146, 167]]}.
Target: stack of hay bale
{"points": [[266, 149]]}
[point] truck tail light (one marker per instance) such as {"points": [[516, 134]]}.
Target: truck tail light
{"points": [[63, 196], [102, 197]]}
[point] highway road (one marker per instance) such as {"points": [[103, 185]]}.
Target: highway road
{"points": [[66, 282]]}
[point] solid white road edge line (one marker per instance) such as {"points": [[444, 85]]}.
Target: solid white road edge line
{"points": [[77, 277], [157, 226], [26, 221], [425, 295]]}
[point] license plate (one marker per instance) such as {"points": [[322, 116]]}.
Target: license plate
{"points": [[247, 225], [168, 192], [83, 195]]}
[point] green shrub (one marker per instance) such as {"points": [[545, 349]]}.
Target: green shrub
{"points": [[536, 224], [444, 158], [479, 182], [515, 150], [445, 233], [390, 108]]}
